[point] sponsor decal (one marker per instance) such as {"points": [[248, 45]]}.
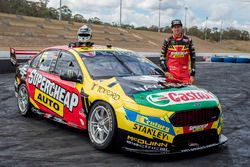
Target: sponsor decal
{"points": [[23, 71], [198, 127], [82, 122], [146, 144], [46, 115], [178, 48], [152, 132], [178, 54], [146, 121], [154, 123], [200, 148], [49, 102], [52, 95], [179, 97], [107, 92], [35, 110]]}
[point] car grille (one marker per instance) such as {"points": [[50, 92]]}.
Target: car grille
{"points": [[201, 138], [195, 117]]}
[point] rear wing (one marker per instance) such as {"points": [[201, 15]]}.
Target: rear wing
{"points": [[24, 54]]}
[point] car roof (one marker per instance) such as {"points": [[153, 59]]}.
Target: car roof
{"points": [[87, 48]]}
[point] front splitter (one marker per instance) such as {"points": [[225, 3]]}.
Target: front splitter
{"points": [[223, 139]]}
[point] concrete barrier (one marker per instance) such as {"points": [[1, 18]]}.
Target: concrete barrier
{"points": [[6, 67]]}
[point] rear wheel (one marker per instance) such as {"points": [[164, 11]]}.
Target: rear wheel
{"points": [[102, 126], [23, 100]]}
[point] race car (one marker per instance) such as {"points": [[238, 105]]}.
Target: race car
{"points": [[121, 98]]}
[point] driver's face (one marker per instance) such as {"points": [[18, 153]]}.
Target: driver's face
{"points": [[177, 30]]}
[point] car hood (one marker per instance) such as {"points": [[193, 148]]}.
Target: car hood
{"points": [[153, 91]]}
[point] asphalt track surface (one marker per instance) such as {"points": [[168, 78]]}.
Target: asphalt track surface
{"points": [[37, 141]]}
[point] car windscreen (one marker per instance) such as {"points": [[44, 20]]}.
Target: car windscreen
{"points": [[106, 64]]}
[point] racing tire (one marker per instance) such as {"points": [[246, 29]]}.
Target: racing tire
{"points": [[102, 126], [23, 102]]}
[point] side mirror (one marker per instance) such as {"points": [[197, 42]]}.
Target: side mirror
{"points": [[13, 59], [70, 75]]}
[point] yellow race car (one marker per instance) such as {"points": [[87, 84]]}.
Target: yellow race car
{"points": [[121, 98]]}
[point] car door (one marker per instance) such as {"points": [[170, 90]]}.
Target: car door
{"points": [[40, 85], [71, 97]]}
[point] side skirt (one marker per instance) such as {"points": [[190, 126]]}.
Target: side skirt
{"points": [[54, 118]]}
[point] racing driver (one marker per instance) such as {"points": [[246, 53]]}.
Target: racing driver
{"points": [[178, 56], [84, 34]]}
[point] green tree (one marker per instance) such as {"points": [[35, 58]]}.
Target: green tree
{"points": [[128, 26], [66, 12], [244, 35], [79, 18], [142, 28], [153, 28], [215, 36], [167, 29], [53, 13], [195, 31], [95, 20]]}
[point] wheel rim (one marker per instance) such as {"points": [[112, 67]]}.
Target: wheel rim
{"points": [[100, 124], [23, 99]]}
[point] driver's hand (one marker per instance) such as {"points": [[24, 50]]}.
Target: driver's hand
{"points": [[168, 75], [163, 65], [192, 80]]}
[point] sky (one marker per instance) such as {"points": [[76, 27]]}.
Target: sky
{"points": [[231, 13]]}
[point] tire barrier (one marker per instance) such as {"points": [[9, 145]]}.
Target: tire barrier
{"points": [[242, 60], [217, 59], [230, 60]]}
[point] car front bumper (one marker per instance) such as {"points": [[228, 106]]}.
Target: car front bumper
{"points": [[222, 140]]}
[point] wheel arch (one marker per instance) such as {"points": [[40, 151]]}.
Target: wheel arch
{"points": [[99, 100]]}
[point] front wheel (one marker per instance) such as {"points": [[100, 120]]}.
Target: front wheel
{"points": [[102, 126], [23, 100]]}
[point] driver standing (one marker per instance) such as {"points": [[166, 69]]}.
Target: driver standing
{"points": [[178, 56]]}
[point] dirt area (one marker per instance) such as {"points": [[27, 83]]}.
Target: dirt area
{"points": [[37, 33], [37, 141]]}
